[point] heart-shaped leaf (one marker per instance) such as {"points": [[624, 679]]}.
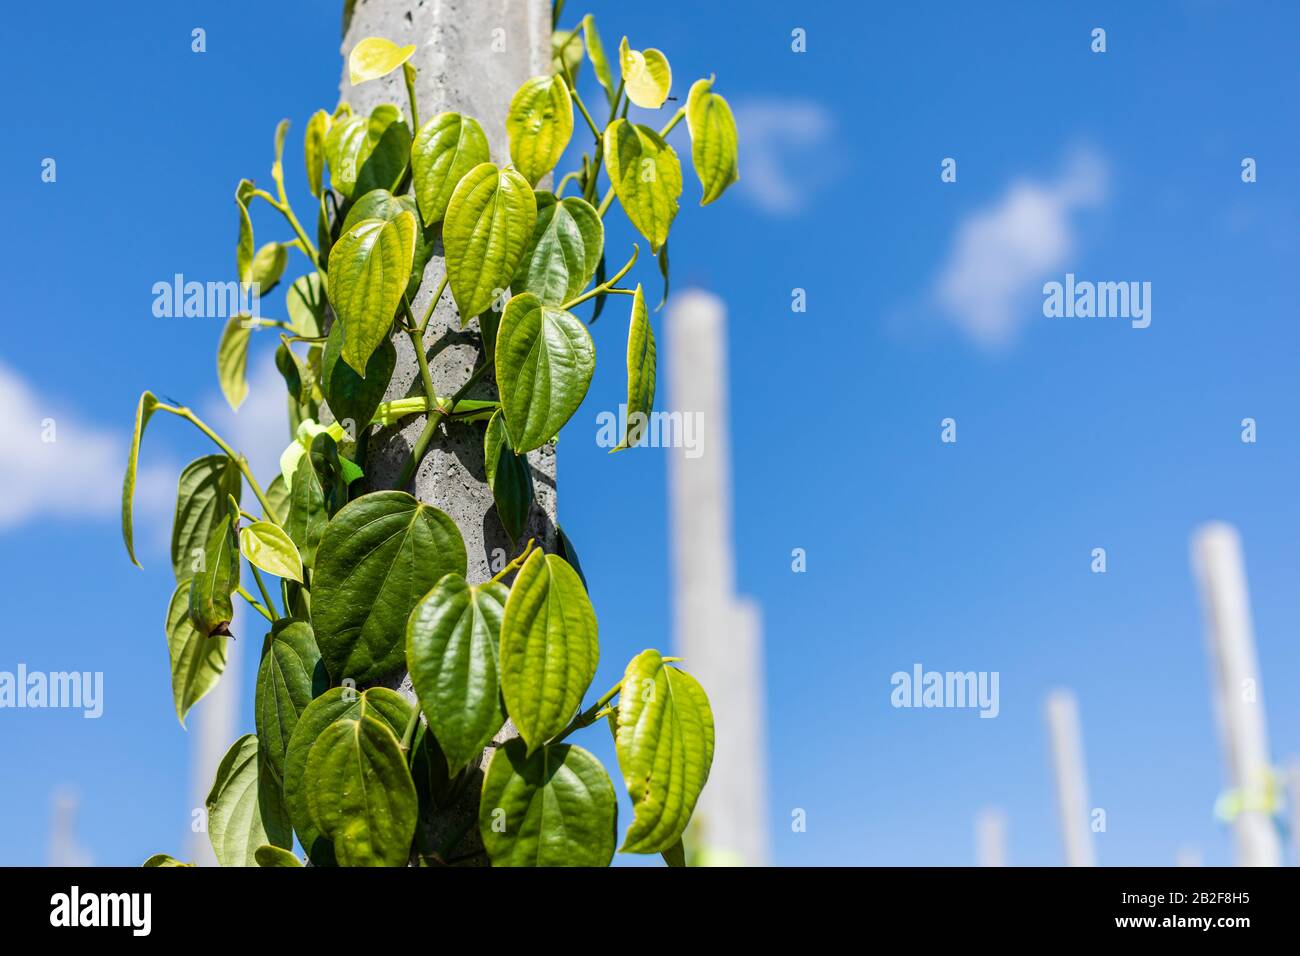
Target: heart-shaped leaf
{"points": [[268, 266], [378, 557], [640, 372], [201, 495], [564, 251], [320, 489], [509, 476], [351, 397], [290, 676], [368, 152], [489, 222], [216, 579], [646, 176], [143, 412], [369, 269], [446, 148], [232, 360], [553, 808], [713, 140], [335, 704], [451, 652], [360, 793], [374, 57], [268, 547], [305, 302], [381, 204], [647, 77], [665, 748], [540, 125], [544, 362], [549, 648], [245, 807], [197, 661]]}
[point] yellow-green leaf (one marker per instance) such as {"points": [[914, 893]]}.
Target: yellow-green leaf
{"points": [[368, 152], [566, 52], [244, 248], [245, 807], [201, 494], [596, 53], [640, 371], [214, 582], [713, 140], [549, 647], [267, 855], [647, 178], [369, 268], [266, 546], [318, 128], [665, 749], [489, 223], [197, 661], [564, 251], [143, 412], [540, 125], [374, 57], [162, 859], [232, 360], [446, 148], [647, 77]]}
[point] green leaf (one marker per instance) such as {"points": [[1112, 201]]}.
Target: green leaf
{"points": [[544, 362], [647, 178], [351, 397], [335, 704], [564, 548], [549, 649], [369, 268], [489, 222], [451, 652], [143, 412], [675, 855], [244, 248], [268, 266], [197, 661], [245, 808], [215, 581], [566, 52], [446, 148], [266, 546], [378, 557], [162, 859], [305, 301], [381, 204], [320, 489], [540, 125], [318, 128], [267, 855], [277, 492], [553, 808], [360, 793], [232, 360], [713, 140], [374, 57], [564, 251], [596, 53], [201, 495], [665, 748], [290, 676], [640, 372], [663, 271], [647, 77], [368, 152], [509, 476]]}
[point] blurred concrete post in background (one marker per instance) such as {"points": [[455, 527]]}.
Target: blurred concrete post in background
{"points": [[1238, 696], [991, 838], [717, 633], [1071, 779], [213, 725]]}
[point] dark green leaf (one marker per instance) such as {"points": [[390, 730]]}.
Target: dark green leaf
{"points": [[380, 555], [564, 251], [351, 397], [200, 501], [270, 856], [305, 301], [245, 807], [451, 652], [197, 661], [214, 582], [290, 676], [509, 476], [553, 808]]}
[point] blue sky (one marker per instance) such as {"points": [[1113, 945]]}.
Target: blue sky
{"points": [[1072, 433]]}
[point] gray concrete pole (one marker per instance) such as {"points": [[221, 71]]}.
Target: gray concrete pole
{"points": [[472, 55], [1071, 778]]}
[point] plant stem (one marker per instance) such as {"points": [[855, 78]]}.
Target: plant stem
{"points": [[514, 563], [261, 586], [559, 190], [189, 416], [605, 286], [431, 425], [605, 203], [588, 716], [409, 734], [408, 72], [243, 593], [677, 118], [433, 304], [582, 107]]}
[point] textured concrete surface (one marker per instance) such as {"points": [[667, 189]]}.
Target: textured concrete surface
{"points": [[472, 55]]}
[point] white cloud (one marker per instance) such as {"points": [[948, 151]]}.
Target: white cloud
{"points": [[59, 466], [1003, 252], [786, 154]]}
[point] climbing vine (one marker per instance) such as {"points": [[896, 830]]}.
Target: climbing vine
{"points": [[359, 584]]}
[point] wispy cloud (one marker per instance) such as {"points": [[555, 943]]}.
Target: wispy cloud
{"points": [[786, 156], [1003, 252], [57, 465]]}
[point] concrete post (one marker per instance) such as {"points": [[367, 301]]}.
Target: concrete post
{"points": [[991, 838], [1071, 778], [1238, 697], [472, 55]]}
